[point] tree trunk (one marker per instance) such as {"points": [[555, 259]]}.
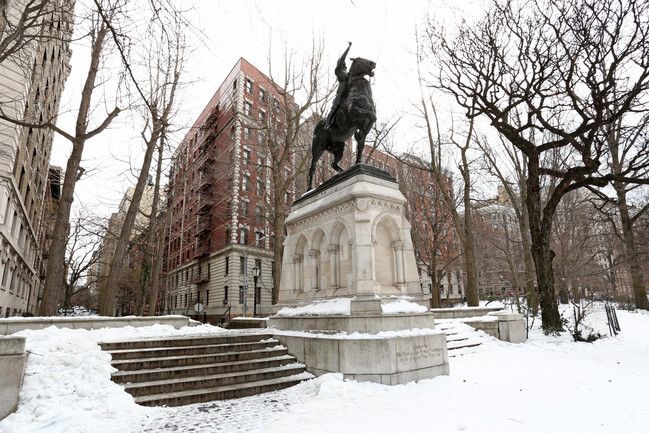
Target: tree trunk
{"points": [[532, 295], [147, 262], [541, 251], [472, 295], [56, 263], [435, 296], [635, 268], [279, 218], [55, 277], [157, 263]]}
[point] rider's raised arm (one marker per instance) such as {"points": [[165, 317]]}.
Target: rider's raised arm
{"points": [[341, 67]]}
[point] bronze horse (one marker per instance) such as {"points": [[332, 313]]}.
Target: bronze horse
{"points": [[353, 117]]}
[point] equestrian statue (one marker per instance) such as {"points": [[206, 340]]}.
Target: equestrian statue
{"points": [[352, 114]]}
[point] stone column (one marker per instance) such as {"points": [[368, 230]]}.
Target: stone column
{"points": [[315, 269], [333, 251], [398, 247], [297, 272]]}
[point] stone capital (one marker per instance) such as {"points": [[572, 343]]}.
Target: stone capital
{"points": [[398, 245]]}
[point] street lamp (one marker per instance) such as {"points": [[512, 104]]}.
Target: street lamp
{"points": [[245, 272], [255, 273]]}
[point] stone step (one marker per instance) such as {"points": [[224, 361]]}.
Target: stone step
{"points": [[188, 370], [461, 351], [184, 341], [222, 392], [212, 381], [147, 375], [187, 360], [469, 342], [461, 339], [167, 351]]}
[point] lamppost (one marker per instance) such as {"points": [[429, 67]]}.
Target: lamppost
{"points": [[245, 272], [255, 274]]}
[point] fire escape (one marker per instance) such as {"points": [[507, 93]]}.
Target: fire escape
{"points": [[204, 192]]}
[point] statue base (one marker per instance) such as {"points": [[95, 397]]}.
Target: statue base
{"points": [[350, 238]]}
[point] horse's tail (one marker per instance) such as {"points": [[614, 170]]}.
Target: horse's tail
{"points": [[317, 148]]}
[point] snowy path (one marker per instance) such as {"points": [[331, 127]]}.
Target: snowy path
{"points": [[549, 384]]}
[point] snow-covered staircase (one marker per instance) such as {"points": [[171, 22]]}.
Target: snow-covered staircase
{"points": [[179, 371], [461, 338]]}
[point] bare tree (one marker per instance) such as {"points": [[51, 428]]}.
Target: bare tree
{"points": [[624, 140], [514, 186], [463, 223], [432, 223], [164, 59], [565, 66], [287, 132], [81, 258]]}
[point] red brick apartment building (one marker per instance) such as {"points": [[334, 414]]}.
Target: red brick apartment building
{"points": [[220, 187]]}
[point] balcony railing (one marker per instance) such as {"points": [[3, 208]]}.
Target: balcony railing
{"points": [[202, 249], [204, 225], [203, 277]]}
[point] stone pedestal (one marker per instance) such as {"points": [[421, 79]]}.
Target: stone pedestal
{"points": [[350, 238]]}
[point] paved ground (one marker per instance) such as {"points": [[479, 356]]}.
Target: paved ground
{"points": [[248, 414]]}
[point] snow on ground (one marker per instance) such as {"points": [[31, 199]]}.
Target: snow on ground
{"points": [[342, 307], [549, 384]]}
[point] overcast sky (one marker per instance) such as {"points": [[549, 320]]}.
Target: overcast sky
{"points": [[383, 31]]}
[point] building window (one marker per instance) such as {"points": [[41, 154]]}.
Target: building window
{"points": [[259, 213], [246, 136], [225, 295], [244, 209], [227, 264], [207, 297], [246, 152], [245, 180], [248, 85], [227, 234], [262, 95], [247, 108], [242, 264], [260, 186], [241, 294], [262, 116], [258, 265], [243, 238]]}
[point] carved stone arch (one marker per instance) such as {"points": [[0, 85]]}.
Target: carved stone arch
{"points": [[390, 224], [301, 247], [387, 248], [318, 267], [340, 227], [341, 261]]}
